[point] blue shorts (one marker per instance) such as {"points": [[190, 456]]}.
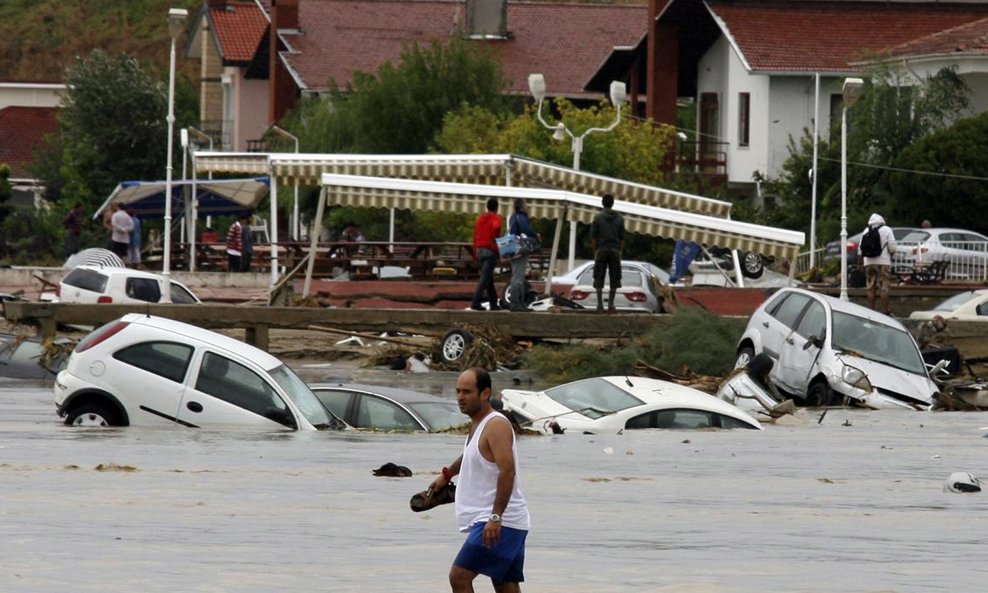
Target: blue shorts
{"points": [[504, 563]]}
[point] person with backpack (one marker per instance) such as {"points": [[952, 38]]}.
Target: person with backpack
{"points": [[877, 246]]}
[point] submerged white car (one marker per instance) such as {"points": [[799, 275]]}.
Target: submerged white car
{"points": [[970, 305], [142, 370], [603, 405], [827, 352]]}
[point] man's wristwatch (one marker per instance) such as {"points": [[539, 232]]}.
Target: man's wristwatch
{"points": [[495, 518]]}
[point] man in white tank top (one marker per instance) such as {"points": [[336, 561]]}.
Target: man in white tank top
{"points": [[489, 502]]}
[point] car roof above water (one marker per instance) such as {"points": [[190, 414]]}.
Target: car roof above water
{"points": [[217, 340], [404, 396], [848, 307]]}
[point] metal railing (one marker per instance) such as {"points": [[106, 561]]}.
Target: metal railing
{"points": [[968, 260], [219, 131]]}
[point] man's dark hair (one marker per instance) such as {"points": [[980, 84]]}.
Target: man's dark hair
{"points": [[492, 205], [483, 378], [608, 200]]}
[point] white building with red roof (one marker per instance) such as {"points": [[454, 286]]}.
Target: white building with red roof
{"points": [[751, 66]]}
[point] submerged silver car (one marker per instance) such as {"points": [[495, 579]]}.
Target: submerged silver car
{"points": [[827, 351]]}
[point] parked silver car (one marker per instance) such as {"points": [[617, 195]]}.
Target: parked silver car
{"points": [[640, 289], [827, 351], [967, 251]]}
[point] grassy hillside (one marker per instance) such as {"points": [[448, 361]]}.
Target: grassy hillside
{"points": [[39, 38]]}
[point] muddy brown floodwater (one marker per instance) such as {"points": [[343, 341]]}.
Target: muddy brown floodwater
{"points": [[851, 504]]}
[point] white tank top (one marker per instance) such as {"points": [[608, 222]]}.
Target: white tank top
{"points": [[477, 485]]}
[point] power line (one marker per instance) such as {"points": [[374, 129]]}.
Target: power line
{"points": [[914, 171]]}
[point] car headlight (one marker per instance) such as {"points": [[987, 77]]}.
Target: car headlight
{"points": [[855, 377]]}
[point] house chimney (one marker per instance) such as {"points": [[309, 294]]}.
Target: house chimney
{"points": [[284, 14], [281, 87], [487, 19]]}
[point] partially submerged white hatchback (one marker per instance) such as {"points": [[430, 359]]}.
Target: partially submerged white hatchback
{"points": [[827, 352], [151, 371]]}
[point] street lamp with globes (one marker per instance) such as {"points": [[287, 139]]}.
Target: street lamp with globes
{"points": [[176, 23], [853, 87], [618, 94]]}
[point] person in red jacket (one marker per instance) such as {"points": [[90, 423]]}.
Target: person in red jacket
{"points": [[485, 233]]}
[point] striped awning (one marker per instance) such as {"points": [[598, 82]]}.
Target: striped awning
{"points": [[539, 173], [378, 192], [487, 169]]}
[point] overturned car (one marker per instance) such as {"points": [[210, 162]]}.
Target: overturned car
{"points": [[830, 352]]}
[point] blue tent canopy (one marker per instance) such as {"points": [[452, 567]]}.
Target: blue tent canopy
{"points": [[216, 197]]}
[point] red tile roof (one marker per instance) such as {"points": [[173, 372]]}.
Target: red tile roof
{"points": [[21, 130], [239, 28], [566, 42], [826, 36], [969, 38]]}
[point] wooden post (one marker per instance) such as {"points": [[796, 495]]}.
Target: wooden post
{"points": [[257, 335]]}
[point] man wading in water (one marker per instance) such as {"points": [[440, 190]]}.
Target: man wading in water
{"points": [[489, 502]]}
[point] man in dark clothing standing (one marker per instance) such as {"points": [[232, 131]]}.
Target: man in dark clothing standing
{"points": [[485, 233], [73, 229], [246, 243], [607, 240]]}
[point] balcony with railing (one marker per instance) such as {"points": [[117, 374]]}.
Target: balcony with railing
{"points": [[219, 131], [705, 158]]}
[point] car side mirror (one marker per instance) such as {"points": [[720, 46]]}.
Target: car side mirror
{"points": [[939, 367], [816, 341]]}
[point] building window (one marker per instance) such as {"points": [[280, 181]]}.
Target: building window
{"points": [[744, 119]]}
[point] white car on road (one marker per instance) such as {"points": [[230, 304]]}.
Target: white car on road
{"points": [[151, 371]]}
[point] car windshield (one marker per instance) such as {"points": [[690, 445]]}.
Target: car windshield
{"points": [[181, 295], [304, 399], [629, 277], [877, 342], [440, 415], [594, 398], [955, 301]]}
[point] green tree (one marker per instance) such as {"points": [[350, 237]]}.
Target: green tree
{"points": [[893, 113], [112, 128], [634, 150], [942, 176], [398, 110]]}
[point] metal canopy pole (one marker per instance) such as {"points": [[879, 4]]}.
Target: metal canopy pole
{"points": [[314, 241]]}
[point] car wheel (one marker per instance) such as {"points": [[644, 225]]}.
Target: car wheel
{"points": [[509, 296], [819, 395], [752, 264], [454, 345], [744, 357], [90, 415]]}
